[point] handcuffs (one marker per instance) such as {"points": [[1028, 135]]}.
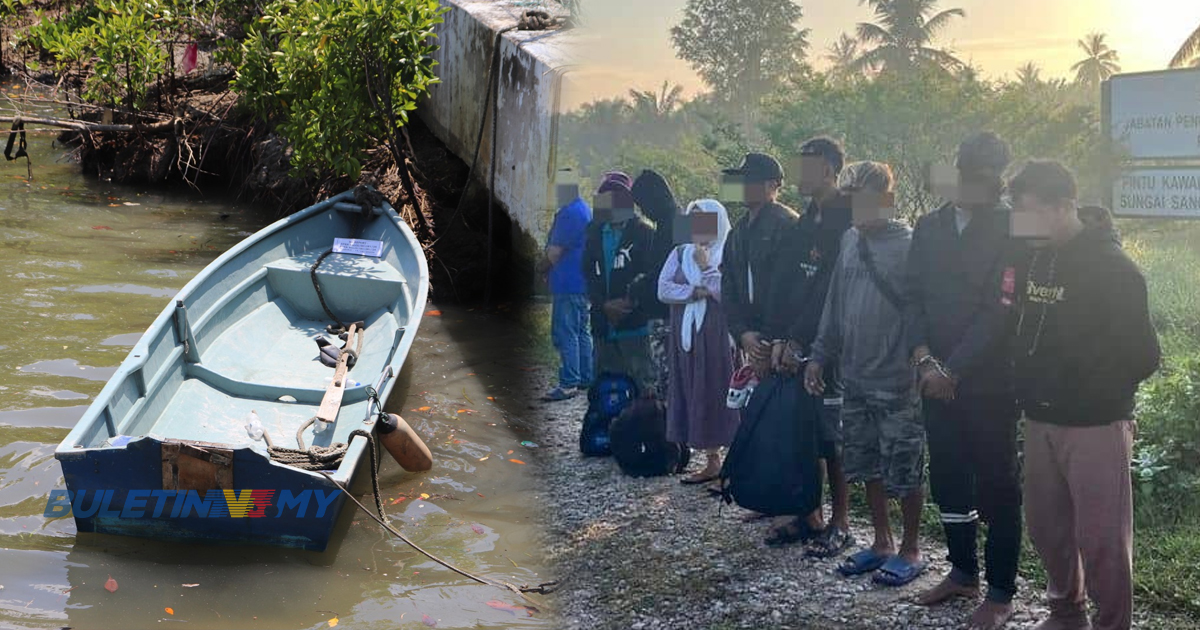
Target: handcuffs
{"points": [[937, 365]]}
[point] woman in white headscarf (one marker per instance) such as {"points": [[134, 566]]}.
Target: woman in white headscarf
{"points": [[700, 352]]}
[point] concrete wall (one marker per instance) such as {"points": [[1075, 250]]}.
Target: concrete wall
{"points": [[532, 65]]}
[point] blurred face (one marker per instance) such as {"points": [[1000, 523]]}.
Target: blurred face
{"points": [[974, 192], [816, 175], [605, 210], [1042, 223], [759, 193], [872, 210], [735, 189], [564, 194], [704, 228], [966, 191]]}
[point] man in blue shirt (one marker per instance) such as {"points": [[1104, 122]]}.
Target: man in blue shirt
{"points": [[569, 327]]}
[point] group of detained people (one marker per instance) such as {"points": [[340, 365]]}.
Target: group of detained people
{"points": [[1009, 301]]}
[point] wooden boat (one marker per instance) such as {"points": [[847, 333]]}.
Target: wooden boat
{"points": [[239, 338]]}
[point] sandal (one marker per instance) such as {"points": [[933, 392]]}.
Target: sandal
{"points": [[898, 572], [831, 542], [865, 561], [793, 532]]}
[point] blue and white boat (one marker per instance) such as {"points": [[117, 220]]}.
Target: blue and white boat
{"points": [[169, 432]]}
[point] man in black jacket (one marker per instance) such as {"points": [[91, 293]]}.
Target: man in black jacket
{"points": [[958, 342], [1084, 342], [751, 250], [616, 258]]}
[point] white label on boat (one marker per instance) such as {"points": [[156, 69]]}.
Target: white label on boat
{"points": [[358, 246]]}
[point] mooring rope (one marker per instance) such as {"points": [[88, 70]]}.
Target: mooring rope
{"points": [[544, 589]]}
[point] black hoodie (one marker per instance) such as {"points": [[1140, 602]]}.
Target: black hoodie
{"points": [[653, 194], [1084, 339]]}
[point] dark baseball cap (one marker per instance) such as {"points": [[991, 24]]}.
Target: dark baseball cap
{"points": [[985, 154], [757, 167], [829, 149]]}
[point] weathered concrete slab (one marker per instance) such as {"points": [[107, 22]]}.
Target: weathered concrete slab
{"points": [[531, 86]]}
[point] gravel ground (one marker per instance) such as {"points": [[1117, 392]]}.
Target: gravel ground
{"points": [[653, 554]]}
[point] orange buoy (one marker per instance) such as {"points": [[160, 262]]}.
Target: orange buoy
{"points": [[406, 447]]}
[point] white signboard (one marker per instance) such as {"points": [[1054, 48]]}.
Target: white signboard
{"points": [[1155, 115], [1158, 193], [358, 246]]}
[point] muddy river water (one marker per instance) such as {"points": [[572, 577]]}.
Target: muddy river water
{"points": [[85, 266]]}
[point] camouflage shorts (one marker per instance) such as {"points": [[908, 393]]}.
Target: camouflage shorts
{"points": [[883, 439]]}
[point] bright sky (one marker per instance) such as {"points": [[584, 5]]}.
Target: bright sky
{"points": [[629, 43]]}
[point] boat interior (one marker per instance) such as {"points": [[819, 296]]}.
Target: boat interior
{"points": [[242, 338]]}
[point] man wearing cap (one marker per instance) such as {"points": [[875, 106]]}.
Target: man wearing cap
{"points": [[802, 283], [563, 264], [616, 257], [751, 250], [961, 354]]}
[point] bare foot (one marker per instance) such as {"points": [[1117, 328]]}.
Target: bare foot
{"points": [[1058, 620], [946, 589], [990, 616], [911, 557]]}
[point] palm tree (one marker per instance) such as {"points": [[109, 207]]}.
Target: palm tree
{"points": [[1189, 52], [902, 35], [650, 105], [1029, 75], [1101, 63], [842, 54]]}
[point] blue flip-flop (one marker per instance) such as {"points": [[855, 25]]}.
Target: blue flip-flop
{"points": [[861, 562], [898, 572]]}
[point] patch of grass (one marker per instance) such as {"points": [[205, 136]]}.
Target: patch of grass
{"points": [[535, 325], [1170, 260], [1165, 571]]}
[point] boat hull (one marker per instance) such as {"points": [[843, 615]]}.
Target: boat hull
{"points": [[163, 451]]}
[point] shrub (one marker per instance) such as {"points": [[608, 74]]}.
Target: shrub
{"points": [[339, 76], [1166, 465]]}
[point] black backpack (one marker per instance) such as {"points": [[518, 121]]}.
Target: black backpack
{"points": [[772, 466], [607, 398], [639, 442]]}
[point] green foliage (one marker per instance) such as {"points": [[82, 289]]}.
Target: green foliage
{"points": [[902, 37], [124, 44], [126, 50], [338, 76], [909, 121], [741, 48], [916, 119], [1165, 572], [692, 140], [1188, 53], [8, 10], [1167, 461], [1168, 257], [1101, 62], [687, 167]]}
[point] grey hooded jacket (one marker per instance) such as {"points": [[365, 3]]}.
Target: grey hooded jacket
{"points": [[861, 330]]}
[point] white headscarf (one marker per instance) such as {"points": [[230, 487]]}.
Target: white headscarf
{"points": [[693, 312]]}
